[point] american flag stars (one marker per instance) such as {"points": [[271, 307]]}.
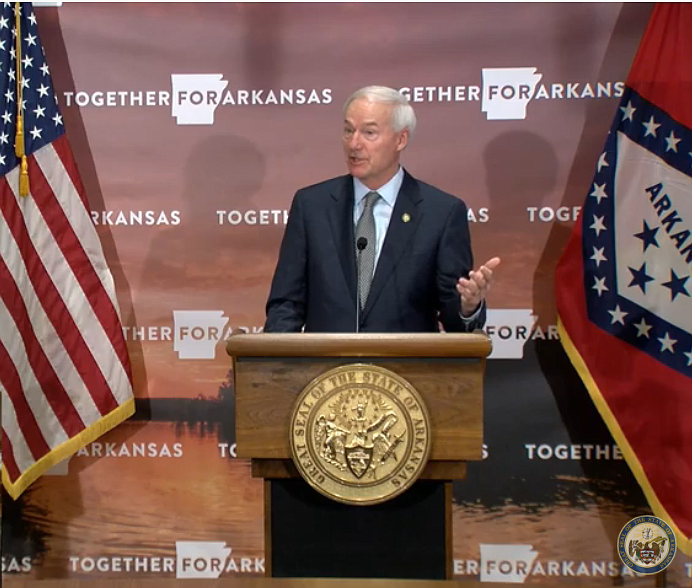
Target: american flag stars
{"points": [[42, 121]]}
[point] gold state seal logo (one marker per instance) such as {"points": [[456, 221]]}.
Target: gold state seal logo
{"points": [[647, 545], [360, 434]]}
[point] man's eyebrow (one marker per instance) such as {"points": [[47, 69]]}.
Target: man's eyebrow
{"points": [[372, 123]]}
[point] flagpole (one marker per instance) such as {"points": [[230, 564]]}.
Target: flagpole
{"points": [[19, 135]]}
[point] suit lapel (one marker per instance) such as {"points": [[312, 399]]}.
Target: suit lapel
{"points": [[402, 226], [341, 221]]}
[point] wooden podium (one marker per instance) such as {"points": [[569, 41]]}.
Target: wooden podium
{"points": [[309, 535]]}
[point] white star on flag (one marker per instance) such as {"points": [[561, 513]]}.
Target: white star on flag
{"points": [[651, 127], [667, 343], [598, 225], [618, 315], [599, 285], [598, 256], [602, 161], [672, 142], [599, 192], [642, 328], [688, 354], [627, 111]]}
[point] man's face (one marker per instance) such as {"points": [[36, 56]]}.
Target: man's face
{"points": [[371, 147]]}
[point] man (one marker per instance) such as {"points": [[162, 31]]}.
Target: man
{"points": [[377, 250], [373, 251]]}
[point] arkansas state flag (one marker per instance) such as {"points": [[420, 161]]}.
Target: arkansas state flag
{"points": [[623, 284]]}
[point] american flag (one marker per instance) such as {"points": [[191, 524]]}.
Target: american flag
{"points": [[623, 286], [65, 375]]}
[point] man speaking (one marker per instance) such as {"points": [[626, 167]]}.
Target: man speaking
{"points": [[373, 251], [377, 250]]}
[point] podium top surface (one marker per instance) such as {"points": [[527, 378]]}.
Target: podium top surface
{"points": [[472, 345]]}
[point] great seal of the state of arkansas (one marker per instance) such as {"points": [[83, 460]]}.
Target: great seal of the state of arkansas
{"points": [[360, 434]]}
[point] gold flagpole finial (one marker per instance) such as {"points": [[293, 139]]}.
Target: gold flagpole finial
{"points": [[19, 134]]}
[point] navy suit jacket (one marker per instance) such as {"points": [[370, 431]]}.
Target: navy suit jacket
{"points": [[427, 248]]}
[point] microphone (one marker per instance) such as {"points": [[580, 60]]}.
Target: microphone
{"points": [[361, 244]]}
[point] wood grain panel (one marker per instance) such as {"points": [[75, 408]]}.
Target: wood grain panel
{"points": [[266, 390]]}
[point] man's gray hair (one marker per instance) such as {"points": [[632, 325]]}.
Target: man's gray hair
{"points": [[403, 116]]}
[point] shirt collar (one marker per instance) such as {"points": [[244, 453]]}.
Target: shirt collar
{"points": [[388, 192]]}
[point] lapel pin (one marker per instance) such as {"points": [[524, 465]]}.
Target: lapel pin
{"points": [[406, 217]]}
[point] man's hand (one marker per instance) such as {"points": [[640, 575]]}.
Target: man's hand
{"points": [[474, 288]]}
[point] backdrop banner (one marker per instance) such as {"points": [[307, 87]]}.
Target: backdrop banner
{"points": [[192, 126]]}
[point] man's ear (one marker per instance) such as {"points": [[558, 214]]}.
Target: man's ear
{"points": [[403, 140]]}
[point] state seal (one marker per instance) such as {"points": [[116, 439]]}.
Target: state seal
{"points": [[360, 434], [647, 545]]}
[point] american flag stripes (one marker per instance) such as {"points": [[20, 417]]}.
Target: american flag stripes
{"points": [[65, 375]]}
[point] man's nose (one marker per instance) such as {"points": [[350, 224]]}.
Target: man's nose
{"points": [[354, 141]]}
